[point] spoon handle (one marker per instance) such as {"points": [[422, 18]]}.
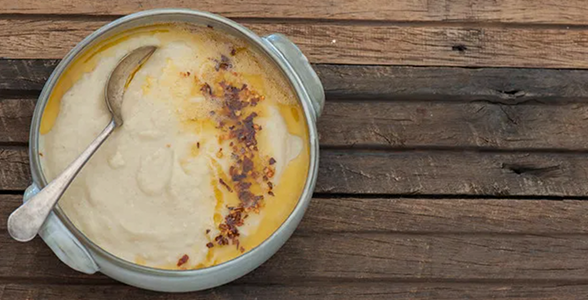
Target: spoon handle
{"points": [[25, 222]]}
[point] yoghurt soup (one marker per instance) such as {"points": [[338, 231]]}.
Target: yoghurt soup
{"points": [[211, 159]]}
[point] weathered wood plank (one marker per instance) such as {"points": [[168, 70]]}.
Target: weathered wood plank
{"points": [[503, 11], [387, 239], [373, 256], [452, 172], [412, 172], [447, 45], [467, 125], [504, 85], [410, 124], [14, 168], [438, 216], [427, 122], [15, 119], [311, 290], [25, 75], [426, 216]]}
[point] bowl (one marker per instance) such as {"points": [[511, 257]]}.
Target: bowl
{"points": [[78, 252]]}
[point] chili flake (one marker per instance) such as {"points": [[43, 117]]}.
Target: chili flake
{"points": [[223, 64], [233, 117], [183, 260], [225, 184]]}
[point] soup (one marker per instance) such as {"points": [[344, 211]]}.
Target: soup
{"points": [[211, 159]]}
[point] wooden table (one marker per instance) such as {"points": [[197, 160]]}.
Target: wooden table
{"points": [[454, 148]]}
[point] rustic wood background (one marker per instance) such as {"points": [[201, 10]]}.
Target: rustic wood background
{"points": [[454, 148]]}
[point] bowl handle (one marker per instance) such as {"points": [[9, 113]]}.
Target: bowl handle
{"points": [[294, 57], [62, 242]]}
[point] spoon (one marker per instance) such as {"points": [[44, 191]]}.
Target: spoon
{"points": [[24, 223]]}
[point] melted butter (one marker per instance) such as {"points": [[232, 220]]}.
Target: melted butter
{"points": [[86, 63], [276, 209]]}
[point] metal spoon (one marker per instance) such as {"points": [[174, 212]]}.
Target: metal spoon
{"points": [[24, 223]]}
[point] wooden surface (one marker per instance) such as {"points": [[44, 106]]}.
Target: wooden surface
{"points": [[454, 148]]}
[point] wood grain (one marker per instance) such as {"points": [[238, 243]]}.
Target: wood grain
{"points": [[405, 125], [503, 11], [443, 216], [330, 256], [502, 85], [452, 173], [434, 241], [412, 173], [15, 119], [315, 290], [447, 45], [402, 107], [412, 124], [25, 75], [425, 216], [14, 169]]}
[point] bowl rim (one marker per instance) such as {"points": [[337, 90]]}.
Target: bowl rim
{"points": [[277, 58]]}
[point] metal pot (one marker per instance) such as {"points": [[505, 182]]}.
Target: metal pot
{"points": [[81, 254]]}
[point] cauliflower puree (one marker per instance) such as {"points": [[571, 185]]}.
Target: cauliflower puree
{"points": [[211, 159]]}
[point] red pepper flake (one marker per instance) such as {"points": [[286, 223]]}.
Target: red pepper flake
{"points": [[272, 161], [221, 240], [271, 193], [233, 51], [223, 64], [269, 172], [225, 184], [198, 145], [41, 154], [206, 89], [207, 231], [234, 118], [183, 260], [210, 26], [210, 245], [270, 185]]}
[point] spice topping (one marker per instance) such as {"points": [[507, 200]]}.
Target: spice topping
{"points": [[237, 119], [183, 260]]}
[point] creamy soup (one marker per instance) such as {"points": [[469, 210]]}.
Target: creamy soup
{"points": [[211, 159]]}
